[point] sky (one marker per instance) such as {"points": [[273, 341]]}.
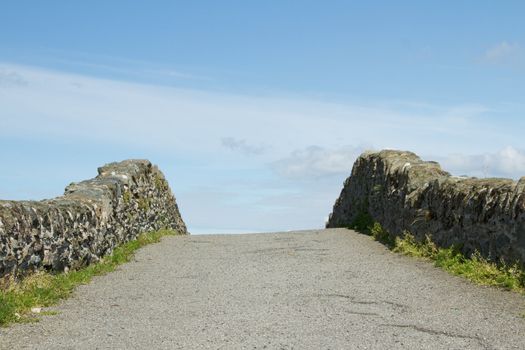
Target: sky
{"points": [[256, 111]]}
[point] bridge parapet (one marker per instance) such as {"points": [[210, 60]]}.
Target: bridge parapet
{"points": [[404, 193], [88, 221]]}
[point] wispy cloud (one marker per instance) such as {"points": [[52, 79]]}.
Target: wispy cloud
{"points": [[316, 161], [9, 78], [176, 74], [502, 52], [189, 120], [240, 145], [292, 182], [507, 162], [122, 67]]}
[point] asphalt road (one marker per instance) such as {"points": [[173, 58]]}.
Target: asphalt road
{"points": [[325, 289]]}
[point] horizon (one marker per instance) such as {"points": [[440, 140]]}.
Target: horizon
{"points": [[255, 113]]}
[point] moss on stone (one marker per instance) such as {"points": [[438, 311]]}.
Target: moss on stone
{"points": [[144, 203], [126, 197]]}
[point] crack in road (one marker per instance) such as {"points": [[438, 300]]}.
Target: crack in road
{"points": [[271, 290], [364, 302], [439, 333]]}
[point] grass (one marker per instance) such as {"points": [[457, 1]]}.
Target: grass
{"points": [[475, 268], [363, 222], [43, 289]]}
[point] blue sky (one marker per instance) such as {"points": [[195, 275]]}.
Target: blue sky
{"points": [[256, 112]]}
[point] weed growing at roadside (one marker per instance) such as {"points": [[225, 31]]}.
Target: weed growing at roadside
{"points": [[480, 270], [475, 268], [363, 221], [381, 234], [44, 289]]}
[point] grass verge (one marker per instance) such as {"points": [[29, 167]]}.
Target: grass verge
{"points": [[21, 301], [475, 268]]}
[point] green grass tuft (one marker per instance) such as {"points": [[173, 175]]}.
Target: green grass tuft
{"points": [[381, 234], [43, 289], [475, 268], [363, 222], [126, 197]]}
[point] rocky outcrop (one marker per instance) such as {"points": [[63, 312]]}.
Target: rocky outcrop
{"points": [[88, 221], [402, 192]]}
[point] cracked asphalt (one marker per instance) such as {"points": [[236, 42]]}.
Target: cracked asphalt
{"points": [[320, 289]]}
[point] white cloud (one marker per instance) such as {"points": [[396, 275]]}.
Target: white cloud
{"points": [[242, 146], [315, 161], [170, 119], [122, 66], [187, 128], [175, 74], [501, 52], [508, 162], [9, 78]]}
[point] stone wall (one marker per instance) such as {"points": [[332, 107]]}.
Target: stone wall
{"points": [[88, 221], [402, 192]]}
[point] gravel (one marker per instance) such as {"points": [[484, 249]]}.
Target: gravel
{"points": [[319, 289]]}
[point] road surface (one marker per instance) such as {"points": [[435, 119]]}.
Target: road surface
{"points": [[324, 289]]}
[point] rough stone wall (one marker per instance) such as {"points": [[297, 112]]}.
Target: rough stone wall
{"points": [[88, 221], [402, 192]]}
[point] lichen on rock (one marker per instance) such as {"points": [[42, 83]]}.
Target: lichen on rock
{"points": [[88, 221], [404, 193]]}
